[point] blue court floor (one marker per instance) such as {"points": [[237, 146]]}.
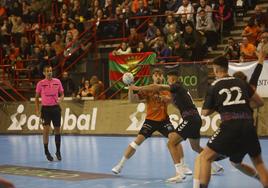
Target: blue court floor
{"points": [[148, 168]]}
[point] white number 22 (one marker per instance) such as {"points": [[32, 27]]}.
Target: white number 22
{"points": [[229, 93]]}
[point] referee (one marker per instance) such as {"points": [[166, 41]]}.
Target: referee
{"points": [[50, 89]]}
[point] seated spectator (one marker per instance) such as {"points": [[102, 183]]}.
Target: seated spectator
{"points": [[49, 56], [18, 27], [141, 11], [50, 34], [232, 50], [162, 50], [188, 9], [85, 90], [92, 9], [68, 85], [135, 5], [109, 10], [5, 31], [247, 50], [152, 42], [142, 47], [204, 6], [133, 39], [25, 48], [172, 6], [97, 88], [151, 31], [259, 16], [64, 9], [223, 15], [179, 51], [263, 45], [123, 49], [194, 44], [74, 8], [183, 22], [170, 21], [172, 36], [73, 30], [251, 31], [58, 45], [205, 25]]}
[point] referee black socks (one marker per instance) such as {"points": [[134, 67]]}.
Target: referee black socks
{"points": [[57, 141]]}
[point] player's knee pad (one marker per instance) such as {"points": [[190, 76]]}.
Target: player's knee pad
{"points": [[134, 145]]}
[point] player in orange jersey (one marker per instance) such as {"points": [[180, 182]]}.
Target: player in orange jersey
{"points": [[157, 119]]}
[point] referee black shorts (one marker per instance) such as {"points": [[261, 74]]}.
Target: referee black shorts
{"points": [[235, 139], [190, 127], [149, 127], [51, 114]]}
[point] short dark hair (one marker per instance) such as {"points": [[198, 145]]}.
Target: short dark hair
{"points": [[172, 73], [221, 61], [46, 67], [157, 70]]}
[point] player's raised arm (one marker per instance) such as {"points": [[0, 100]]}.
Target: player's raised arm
{"points": [[151, 87], [256, 101], [133, 98]]}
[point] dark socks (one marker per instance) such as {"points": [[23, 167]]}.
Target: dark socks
{"points": [[46, 148], [203, 186], [58, 142]]}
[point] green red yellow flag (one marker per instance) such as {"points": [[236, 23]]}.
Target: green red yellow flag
{"points": [[136, 63]]}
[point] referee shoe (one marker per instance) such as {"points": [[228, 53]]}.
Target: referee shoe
{"points": [[49, 157]]}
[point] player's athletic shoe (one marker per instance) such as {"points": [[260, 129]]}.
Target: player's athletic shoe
{"points": [[49, 157], [117, 169], [216, 169], [186, 170], [176, 179], [58, 155]]}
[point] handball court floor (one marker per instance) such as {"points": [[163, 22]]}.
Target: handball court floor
{"points": [[22, 161]]}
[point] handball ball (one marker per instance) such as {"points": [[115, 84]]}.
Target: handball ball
{"points": [[128, 78]]}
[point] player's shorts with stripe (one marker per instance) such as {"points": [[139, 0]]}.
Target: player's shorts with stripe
{"points": [[190, 127], [149, 127], [235, 139], [51, 114]]}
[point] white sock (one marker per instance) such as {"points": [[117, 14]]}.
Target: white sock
{"points": [[196, 183], [178, 167], [122, 161], [182, 161]]}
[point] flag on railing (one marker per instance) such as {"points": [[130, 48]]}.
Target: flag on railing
{"points": [[137, 63]]}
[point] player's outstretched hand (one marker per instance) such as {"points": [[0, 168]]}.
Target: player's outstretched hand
{"points": [[134, 88]]}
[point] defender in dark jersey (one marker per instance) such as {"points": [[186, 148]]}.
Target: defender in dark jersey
{"points": [[233, 99], [237, 160], [191, 125]]}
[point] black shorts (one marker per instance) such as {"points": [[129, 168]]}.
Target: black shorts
{"points": [[235, 139], [149, 127], [190, 127], [51, 113]]}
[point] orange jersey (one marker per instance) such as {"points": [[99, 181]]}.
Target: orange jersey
{"points": [[156, 109]]}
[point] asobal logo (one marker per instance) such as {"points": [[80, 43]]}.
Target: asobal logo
{"points": [[136, 124], [68, 122]]}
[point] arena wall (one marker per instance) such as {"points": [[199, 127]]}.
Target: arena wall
{"points": [[108, 117]]}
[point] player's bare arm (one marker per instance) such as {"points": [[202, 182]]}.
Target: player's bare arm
{"points": [[151, 87], [256, 101], [133, 98]]}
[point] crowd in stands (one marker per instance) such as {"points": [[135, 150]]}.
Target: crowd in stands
{"points": [[254, 37], [176, 30]]}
